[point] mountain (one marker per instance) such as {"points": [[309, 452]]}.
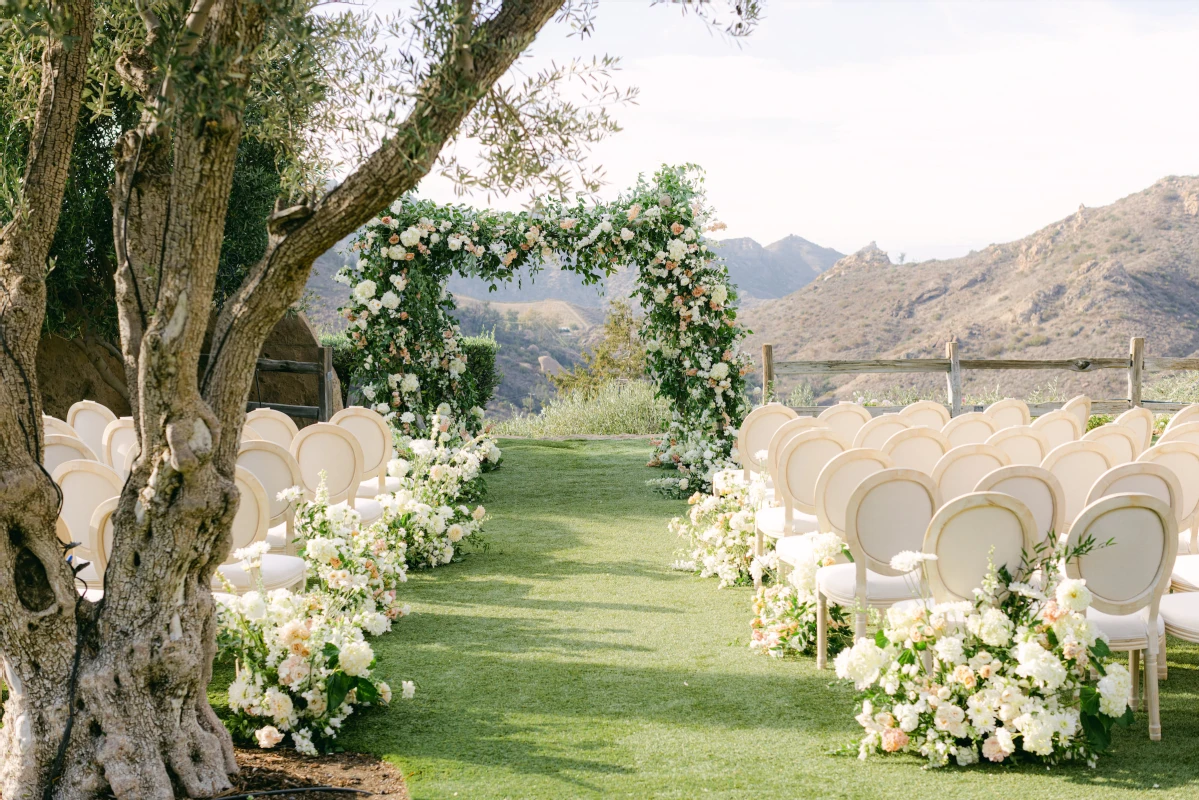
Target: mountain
{"points": [[1079, 287]]}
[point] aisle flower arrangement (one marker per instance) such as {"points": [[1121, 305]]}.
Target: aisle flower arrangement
{"points": [[1005, 677], [784, 621], [719, 536]]}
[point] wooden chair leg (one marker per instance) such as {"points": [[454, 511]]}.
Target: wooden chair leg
{"points": [[1161, 658], [1134, 669], [859, 624], [821, 630], [1151, 696]]}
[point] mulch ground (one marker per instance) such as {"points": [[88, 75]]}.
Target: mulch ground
{"points": [[271, 770]]}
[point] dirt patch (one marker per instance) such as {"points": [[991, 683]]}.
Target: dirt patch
{"points": [[267, 770]]}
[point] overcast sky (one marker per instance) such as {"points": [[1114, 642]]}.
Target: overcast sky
{"points": [[933, 128]]}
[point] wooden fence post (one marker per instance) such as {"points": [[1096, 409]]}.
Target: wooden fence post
{"points": [[1136, 367], [767, 371], [954, 378]]}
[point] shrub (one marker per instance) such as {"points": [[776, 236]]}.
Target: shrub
{"points": [[614, 408], [482, 375], [618, 355], [343, 359]]}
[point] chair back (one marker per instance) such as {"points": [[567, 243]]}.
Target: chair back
{"points": [[970, 532], [918, 447], [926, 412], [783, 435], [1140, 421], [119, 436], [85, 485], [800, 463], [1009, 413], [1080, 407], [972, 428], [374, 436], [248, 434], [1077, 465], [1186, 432], [276, 469], [333, 449], [1038, 489], [1183, 416], [100, 536], [60, 448], [888, 513], [55, 425], [845, 419], [960, 470], [1181, 458], [272, 425], [1058, 427], [837, 482], [89, 419], [877, 431], [1024, 444], [1118, 439], [250, 522], [1131, 573], [1141, 477]]}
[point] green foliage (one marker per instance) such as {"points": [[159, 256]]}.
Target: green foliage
{"points": [[482, 375], [615, 408], [620, 355], [343, 359]]}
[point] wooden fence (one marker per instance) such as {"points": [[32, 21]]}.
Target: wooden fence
{"points": [[1136, 364]]}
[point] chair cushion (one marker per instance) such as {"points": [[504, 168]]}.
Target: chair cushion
{"points": [[1180, 611], [838, 584], [276, 537], [1186, 573], [1125, 631], [369, 488], [278, 572], [368, 510], [770, 521], [791, 549]]}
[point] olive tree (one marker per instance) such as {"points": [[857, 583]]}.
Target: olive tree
{"points": [[108, 696]]}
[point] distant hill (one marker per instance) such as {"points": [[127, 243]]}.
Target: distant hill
{"points": [[1079, 287]]}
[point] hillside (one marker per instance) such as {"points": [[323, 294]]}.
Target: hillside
{"points": [[1079, 287]]}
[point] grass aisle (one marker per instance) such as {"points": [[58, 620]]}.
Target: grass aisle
{"points": [[570, 661]]}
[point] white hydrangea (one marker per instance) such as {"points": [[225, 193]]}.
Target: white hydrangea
{"points": [[861, 663], [365, 290], [1114, 689], [356, 658], [390, 300]]}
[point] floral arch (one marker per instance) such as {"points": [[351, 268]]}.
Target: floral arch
{"points": [[410, 358]]}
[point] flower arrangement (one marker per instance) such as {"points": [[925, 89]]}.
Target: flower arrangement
{"points": [[1006, 676], [785, 616], [409, 356], [719, 533]]}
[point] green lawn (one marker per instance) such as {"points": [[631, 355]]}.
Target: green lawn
{"points": [[570, 661]]}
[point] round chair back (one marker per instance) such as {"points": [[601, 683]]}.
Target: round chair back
{"points": [[272, 425], [85, 485], [1183, 416], [838, 480], [100, 536], [1024, 444], [1181, 458], [89, 419], [119, 437], [1009, 413], [926, 412], [373, 435], [783, 435], [960, 470], [248, 434], [55, 425], [1038, 489], [1080, 407], [1077, 465], [1186, 432], [1120, 441], [1140, 421], [888, 513], [878, 430], [973, 428], [276, 469], [333, 450], [1058, 427], [918, 448], [845, 419], [61, 448], [800, 463], [1141, 477], [250, 522], [971, 532]]}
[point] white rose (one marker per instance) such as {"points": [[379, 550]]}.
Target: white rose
{"points": [[626, 234], [398, 281], [1073, 595], [390, 300], [268, 737], [365, 290]]}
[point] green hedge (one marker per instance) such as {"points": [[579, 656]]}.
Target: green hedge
{"points": [[483, 376], [343, 359]]}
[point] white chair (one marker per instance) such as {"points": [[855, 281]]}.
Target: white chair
{"points": [[374, 436], [1080, 407], [1119, 439], [60, 448], [1141, 477], [1140, 421], [335, 451], [1181, 458], [918, 448], [1183, 417], [926, 412], [783, 435], [800, 463], [845, 419], [755, 433], [1009, 413], [272, 425], [276, 469], [887, 513], [1186, 432], [1058, 427], [99, 543], [878, 430], [57, 426], [248, 434], [971, 532], [960, 470], [972, 428], [1077, 465], [1023, 444], [119, 436], [276, 571], [85, 485], [1038, 489], [89, 419], [1127, 578]]}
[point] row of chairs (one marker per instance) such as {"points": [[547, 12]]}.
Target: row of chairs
{"points": [[352, 450]]}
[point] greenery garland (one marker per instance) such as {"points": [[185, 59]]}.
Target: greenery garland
{"points": [[409, 348]]}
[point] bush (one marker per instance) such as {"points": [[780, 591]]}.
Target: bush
{"points": [[483, 376], [613, 408], [343, 360]]}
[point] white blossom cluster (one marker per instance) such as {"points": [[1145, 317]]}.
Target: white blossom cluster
{"points": [[719, 535]]}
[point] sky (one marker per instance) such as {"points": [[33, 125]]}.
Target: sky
{"points": [[933, 128]]}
